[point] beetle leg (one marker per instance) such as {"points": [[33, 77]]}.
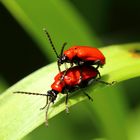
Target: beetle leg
{"points": [[99, 75], [103, 82], [97, 66], [65, 72], [62, 77], [48, 105], [97, 62], [89, 97], [106, 83], [58, 66]]}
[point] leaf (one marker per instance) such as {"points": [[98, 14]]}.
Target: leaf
{"points": [[20, 114], [111, 109], [133, 124]]}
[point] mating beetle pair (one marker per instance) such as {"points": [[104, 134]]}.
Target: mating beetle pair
{"points": [[75, 77]]}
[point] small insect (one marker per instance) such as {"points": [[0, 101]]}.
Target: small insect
{"points": [[79, 55], [71, 82]]}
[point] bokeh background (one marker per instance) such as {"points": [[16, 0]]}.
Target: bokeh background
{"points": [[24, 49]]}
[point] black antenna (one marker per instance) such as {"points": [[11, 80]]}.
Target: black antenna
{"points": [[63, 46], [30, 93], [50, 40], [58, 63]]}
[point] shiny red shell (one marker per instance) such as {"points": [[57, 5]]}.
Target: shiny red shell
{"points": [[85, 53], [72, 77]]}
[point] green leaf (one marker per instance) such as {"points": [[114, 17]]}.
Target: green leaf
{"points": [[111, 109], [133, 124], [59, 17], [20, 114]]}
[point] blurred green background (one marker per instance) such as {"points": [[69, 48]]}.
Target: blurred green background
{"points": [[24, 49]]}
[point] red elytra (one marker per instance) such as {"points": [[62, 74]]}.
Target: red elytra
{"points": [[83, 55]]}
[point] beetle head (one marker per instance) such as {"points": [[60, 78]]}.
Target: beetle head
{"points": [[52, 94], [62, 59]]}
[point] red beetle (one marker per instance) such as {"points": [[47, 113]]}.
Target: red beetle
{"points": [[80, 55], [71, 82]]}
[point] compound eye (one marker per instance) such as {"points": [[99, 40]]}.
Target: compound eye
{"points": [[63, 58], [59, 61], [49, 92]]}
